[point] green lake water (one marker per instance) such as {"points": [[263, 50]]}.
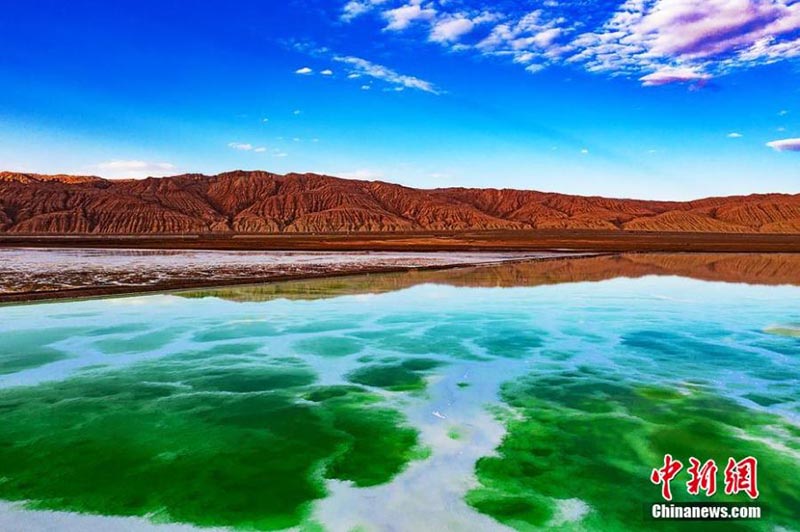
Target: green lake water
{"points": [[353, 406]]}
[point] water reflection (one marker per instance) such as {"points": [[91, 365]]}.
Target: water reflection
{"points": [[750, 268]]}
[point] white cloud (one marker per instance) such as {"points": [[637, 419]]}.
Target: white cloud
{"points": [[534, 37], [305, 71], [783, 112], [356, 8], [246, 146], [785, 145], [133, 169], [362, 174], [297, 112], [327, 72], [445, 27], [240, 146], [365, 87], [705, 28], [669, 74], [584, 151], [400, 18], [712, 36], [735, 135], [265, 120], [657, 41], [380, 72], [451, 29]]}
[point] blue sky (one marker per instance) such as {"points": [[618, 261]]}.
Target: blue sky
{"points": [[669, 99]]}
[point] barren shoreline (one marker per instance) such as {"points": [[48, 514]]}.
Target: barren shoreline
{"points": [[166, 282], [576, 240], [555, 244]]}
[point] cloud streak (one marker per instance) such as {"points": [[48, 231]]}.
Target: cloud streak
{"points": [[240, 146], [134, 169], [670, 74], [363, 68], [247, 147], [785, 144]]}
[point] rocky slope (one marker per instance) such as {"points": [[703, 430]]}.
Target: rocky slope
{"points": [[261, 202]]}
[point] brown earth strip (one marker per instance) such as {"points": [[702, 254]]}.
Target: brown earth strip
{"points": [[576, 240]]}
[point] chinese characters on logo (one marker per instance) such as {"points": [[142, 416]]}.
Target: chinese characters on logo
{"points": [[702, 477], [740, 477]]}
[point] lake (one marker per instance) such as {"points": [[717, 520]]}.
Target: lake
{"points": [[484, 399]]}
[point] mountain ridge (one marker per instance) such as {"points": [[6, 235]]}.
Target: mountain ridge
{"points": [[259, 202]]}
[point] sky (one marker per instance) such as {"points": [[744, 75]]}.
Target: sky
{"points": [[662, 99]]}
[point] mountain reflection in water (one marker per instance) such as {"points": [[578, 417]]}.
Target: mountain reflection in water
{"points": [[750, 268]]}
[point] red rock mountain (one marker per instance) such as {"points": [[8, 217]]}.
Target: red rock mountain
{"points": [[261, 202]]}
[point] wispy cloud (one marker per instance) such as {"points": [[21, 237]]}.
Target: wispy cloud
{"points": [[735, 135], [531, 38], [133, 169], [240, 146], [712, 36], [785, 144], [363, 174], [670, 74], [305, 71], [356, 8], [365, 68], [655, 41], [327, 72]]}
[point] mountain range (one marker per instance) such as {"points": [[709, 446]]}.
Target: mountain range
{"points": [[262, 202]]}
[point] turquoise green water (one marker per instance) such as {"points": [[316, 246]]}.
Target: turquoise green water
{"points": [[430, 407]]}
